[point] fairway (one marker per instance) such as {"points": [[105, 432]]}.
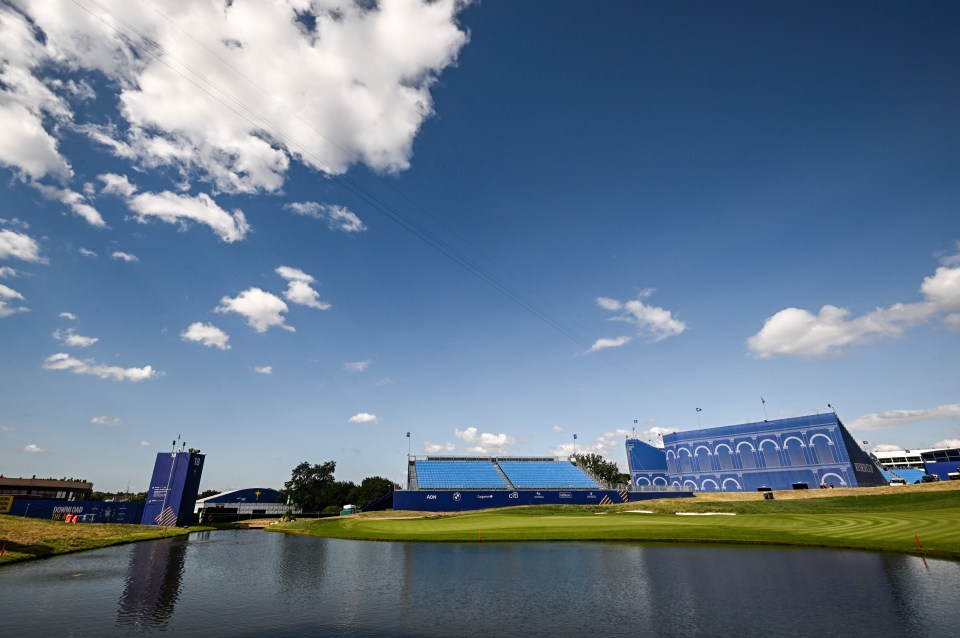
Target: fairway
{"points": [[882, 522]]}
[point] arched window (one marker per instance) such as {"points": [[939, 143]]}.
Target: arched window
{"points": [[703, 459], [794, 448], [823, 449], [709, 485], [724, 457], [771, 456], [747, 459], [730, 485], [686, 466]]}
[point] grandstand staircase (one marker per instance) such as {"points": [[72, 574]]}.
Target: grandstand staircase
{"points": [[412, 477], [502, 474]]}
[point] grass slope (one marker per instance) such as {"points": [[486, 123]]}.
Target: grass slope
{"points": [[881, 522], [27, 538]]}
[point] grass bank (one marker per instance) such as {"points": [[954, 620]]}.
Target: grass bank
{"points": [[876, 520], [27, 538]]}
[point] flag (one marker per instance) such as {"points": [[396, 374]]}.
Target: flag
{"points": [[762, 400], [699, 410], [574, 437], [408, 435]]}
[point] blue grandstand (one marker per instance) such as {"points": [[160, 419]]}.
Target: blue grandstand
{"points": [[910, 475], [546, 475], [458, 474]]}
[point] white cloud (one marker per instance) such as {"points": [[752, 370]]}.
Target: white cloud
{"points": [[88, 253], [436, 448], [557, 429], [9, 293], [896, 418], [173, 208], [952, 321], [33, 449], [384, 381], [887, 447], [364, 417], [114, 184], [262, 310], [71, 338], [7, 272], [127, 257], [604, 444], [63, 361], [947, 443], [263, 369], [144, 443], [601, 344], [356, 366], [360, 92], [299, 290], [68, 315], [76, 201], [111, 421], [20, 246], [652, 322], [206, 334], [484, 442], [337, 217], [799, 333]]}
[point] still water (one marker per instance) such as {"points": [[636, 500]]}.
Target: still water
{"points": [[247, 583]]}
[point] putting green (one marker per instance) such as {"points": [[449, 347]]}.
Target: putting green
{"points": [[882, 523]]}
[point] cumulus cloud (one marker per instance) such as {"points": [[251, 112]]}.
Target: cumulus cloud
{"points": [[110, 421], [356, 366], [174, 208], [437, 448], [144, 443], [114, 184], [263, 369], [896, 418], [947, 443], [71, 338], [800, 333], [557, 429], [360, 93], [604, 444], [122, 256], [336, 217], [261, 309], [484, 442], [652, 322], [887, 447], [601, 344], [6, 272], [73, 200], [299, 290], [364, 417], [19, 246], [68, 315], [88, 253], [7, 293], [33, 448], [63, 361], [206, 334]]}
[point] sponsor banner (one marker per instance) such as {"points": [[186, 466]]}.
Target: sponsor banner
{"points": [[86, 511], [456, 500]]}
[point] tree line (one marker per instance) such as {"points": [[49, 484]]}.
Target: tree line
{"points": [[315, 489]]}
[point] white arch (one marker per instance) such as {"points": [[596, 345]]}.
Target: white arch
{"points": [[734, 481], [639, 480], [775, 446], [703, 485], [677, 483], [671, 454], [793, 438], [829, 440], [747, 443], [823, 478], [717, 449], [660, 480], [692, 484], [680, 450], [701, 447]]}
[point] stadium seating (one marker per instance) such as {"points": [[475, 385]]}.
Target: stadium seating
{"points": [[546, 475], [458, 475], [910, 475]]}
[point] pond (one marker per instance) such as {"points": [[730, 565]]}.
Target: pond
{"points": [[247, 583]]}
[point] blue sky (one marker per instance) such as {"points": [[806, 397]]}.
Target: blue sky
{"points": [[297, 230]]}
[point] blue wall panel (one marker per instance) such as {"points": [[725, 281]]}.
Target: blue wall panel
{"points": [[457, 500], [95, 511], [173, 489]]}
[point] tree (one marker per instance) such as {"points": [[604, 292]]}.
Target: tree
{"points": [[606, 471], [372, 488], [310, 485], [206, 493]]}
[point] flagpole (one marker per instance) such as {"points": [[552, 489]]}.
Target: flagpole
{"points": [[699, 427], [763, 401]]}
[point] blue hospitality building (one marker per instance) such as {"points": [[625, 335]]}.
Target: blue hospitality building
{"points": [[795, 453]]}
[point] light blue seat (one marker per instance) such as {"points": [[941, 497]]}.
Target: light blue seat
{"points": [[546, 475], [440, 475]]}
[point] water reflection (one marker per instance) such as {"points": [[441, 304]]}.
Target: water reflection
{"points": [[152, 583]]}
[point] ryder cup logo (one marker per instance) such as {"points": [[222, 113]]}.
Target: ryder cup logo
{"points": [[456, 496]]}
